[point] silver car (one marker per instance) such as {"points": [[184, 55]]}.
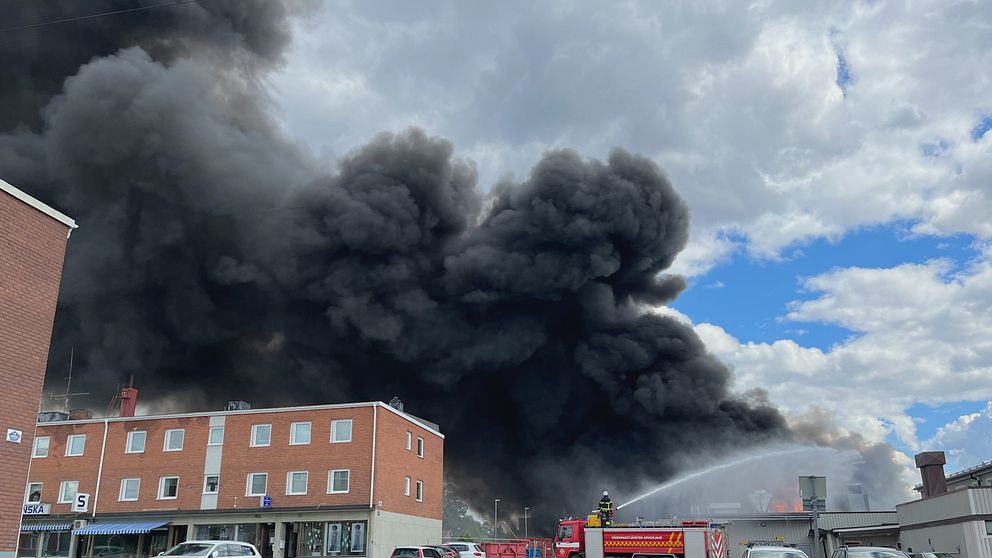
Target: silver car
{"points": [[774, 552]]}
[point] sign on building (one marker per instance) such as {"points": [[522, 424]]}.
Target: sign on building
{"points": [[81, 503], [14, 436], [813, 490], [36, 509]]}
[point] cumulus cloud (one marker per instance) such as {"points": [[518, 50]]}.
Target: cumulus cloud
{"points": [[967, 440]]}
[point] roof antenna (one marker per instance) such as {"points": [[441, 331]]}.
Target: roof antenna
{"points": [[68, 383]]}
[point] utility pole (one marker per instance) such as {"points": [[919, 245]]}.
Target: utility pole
{"points": [[526, 533], [495, 519]]}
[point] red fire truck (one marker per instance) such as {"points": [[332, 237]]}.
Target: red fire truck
{"points": [[577, 538]]}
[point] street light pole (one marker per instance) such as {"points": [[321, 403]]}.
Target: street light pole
{"points": [[526, 536], [495, 519]]}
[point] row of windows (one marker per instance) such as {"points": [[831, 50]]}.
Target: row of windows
{"points": [[261, 435], [338, 482]]}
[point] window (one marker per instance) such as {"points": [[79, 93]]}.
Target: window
{"points": [[420, 491], [406, 486], [40, 446], [296, 483], [135, 442], [409, 440], [337, 482], [174, 439], [420, 447], [216, 437], [67, 491], [129, 490], [34, 493], [168, 488], [75, 445], [340, 431], [210, 484], [299, 433], [257, 484], [261, 435], [988, 528]]}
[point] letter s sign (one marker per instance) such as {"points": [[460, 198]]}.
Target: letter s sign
{"points": [[82, 503]]}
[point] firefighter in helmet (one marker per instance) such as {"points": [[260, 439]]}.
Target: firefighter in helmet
{"points": [[606, 509]]}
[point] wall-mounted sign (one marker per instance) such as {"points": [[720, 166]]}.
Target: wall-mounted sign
{"points": [[266, 501], [81, 503], [36, 509], [14, 436]]}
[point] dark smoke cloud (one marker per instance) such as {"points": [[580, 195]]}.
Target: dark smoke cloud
{"points": [[216, 260]]}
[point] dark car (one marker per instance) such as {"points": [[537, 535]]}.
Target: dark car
{"points": [[868, 552]]}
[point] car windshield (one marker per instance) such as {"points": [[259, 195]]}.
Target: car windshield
{"points": [[783, 553], [406, 553], [190, 549], [875, 553]]}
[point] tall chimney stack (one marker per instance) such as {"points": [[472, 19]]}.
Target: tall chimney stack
{"points": [[931, 466]]}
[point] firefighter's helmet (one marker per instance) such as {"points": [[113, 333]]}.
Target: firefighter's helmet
{"points": [[606, 493]]}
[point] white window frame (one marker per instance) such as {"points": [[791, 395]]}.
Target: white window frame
{"points": [[27, 492], [182, 439], [420, 447], [121, 494], [210, 436], [289, 483], [62, 486], [161, 488], [334, 431], [330, 481], [406, 485], [254, 436], [130, 439], [420, 491], [34, 446], [248, 491], [68, 445], [409, 440], [205, 477], [292, 433]]}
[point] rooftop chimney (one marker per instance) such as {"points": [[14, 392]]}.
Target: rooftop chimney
{"points": [[931, 466], [396, 404], [237, 405]]}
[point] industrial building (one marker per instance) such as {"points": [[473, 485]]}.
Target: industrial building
{"points": [[33, 239], [329, 480]]}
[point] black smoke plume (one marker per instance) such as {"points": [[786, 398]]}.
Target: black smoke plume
{"points": [[216, 260]]}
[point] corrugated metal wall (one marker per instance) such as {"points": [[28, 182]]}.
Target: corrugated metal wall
{"points": [[740, 532], [981, 500]]}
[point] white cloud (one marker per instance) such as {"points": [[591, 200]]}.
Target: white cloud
{"points": [[967, 440], [923, 333]]}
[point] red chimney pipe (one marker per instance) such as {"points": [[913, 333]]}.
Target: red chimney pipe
{"points": [[129, 400]]}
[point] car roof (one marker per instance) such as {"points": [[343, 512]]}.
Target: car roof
{"points": [[214, 542], [774, 547]]}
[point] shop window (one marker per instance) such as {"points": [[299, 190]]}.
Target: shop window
{"points": [[174, 439], [56, 544], [346, 538], [311, 540], [420, 491], [216, 437], [340, 431], [261, 435], [34, 493], [338, 481], [136, 442], [129, 490], [75, 445], [27, 547], [215, 532], [211, 484], [168, 488], [40, 448], [296, 483], [257, 484], [299, 433], [67, 491]]}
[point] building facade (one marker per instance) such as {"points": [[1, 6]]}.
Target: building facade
{"points": [[331, 480], [33, 240]]}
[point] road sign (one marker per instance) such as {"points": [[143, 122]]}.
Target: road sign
{"points": [[266, 501], [81, 503]]}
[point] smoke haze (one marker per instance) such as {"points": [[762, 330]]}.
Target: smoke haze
{"points": [[216, 259]]}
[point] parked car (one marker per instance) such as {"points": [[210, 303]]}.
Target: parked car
{"points": [[931, 555], [774, 552], [110, 552], [868, 552], [446, 551], [415, 552], [468, 549], [213, 549]]}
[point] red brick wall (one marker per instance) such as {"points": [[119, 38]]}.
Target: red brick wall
{"points": [[394, 462], [32, 248]]}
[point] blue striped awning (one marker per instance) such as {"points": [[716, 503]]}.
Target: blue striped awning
{"points": [[30, 527], [130, 528]]}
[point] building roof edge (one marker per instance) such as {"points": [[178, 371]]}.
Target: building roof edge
{"points": [[54, 214]]}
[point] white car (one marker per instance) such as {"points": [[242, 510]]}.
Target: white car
{"points": [[213, 549], [774, 552], [468, 549]]}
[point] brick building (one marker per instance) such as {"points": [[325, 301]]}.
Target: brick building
{"points": [[33, 239], [331, 480]]}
